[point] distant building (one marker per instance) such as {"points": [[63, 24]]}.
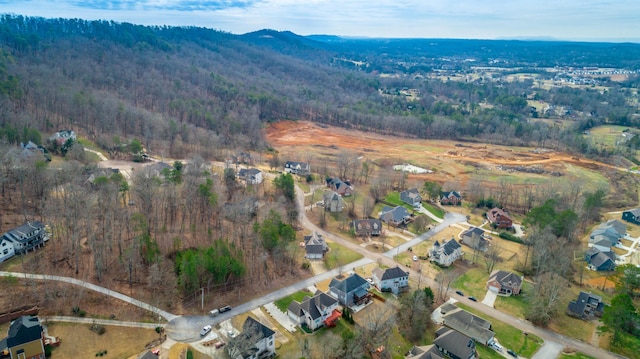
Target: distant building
{"points": [[297, 168], [250, 175]]}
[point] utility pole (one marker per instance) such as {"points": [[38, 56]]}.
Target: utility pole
{"points": [[202, 297]]}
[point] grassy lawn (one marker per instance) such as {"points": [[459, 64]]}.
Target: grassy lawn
{"points": [[283, 303], [629, 346], [436, 211], [394, 197], [510, 337], [486, 352], [472, 282], [339, 256], [574, 356], [515, 305]]}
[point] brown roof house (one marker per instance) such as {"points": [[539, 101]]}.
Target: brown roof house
{"points": [[499, 218], [504, 283], [450, 198], [366, 227]]}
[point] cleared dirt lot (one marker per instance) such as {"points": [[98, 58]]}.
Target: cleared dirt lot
{"points": [[300, 140]]}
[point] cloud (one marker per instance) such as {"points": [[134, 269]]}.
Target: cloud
{"points": [[170, 5]]}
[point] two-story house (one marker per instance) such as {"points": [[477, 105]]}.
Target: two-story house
{"points": [[446, 253], [332, 201], [366, 227], [395, 216], [255, 341], [313, 311], [598, 260], [504, 283], [27, 237], [297, 168], [411, 197], [7, 249], [393, 280], [450, 198], [250, 175], [343, 188], [315, 246], [350, 290], [499, 218], [607, 235], [25, 339], [587, 306], [474, 237]]}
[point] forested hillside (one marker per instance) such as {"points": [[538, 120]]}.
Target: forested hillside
{"points": [[184, 89]]}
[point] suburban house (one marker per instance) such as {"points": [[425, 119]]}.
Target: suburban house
{"points": [[250, 175], [504, 283], [255, 341], [29, 149], [366, 227], [315, 246], [339, 186], [586, 307], [315, 312], [607, 235], [25, 238], [352, 290], [332, 201], [7, 250], [455, 345], [632, 215], [395, 215], [424, 352], [297, 168], [474, 237], [468, 324], [450, 198], [499, 218], [599, 260], [25, 339], [446, 253], [393, 280], [62, 136], [411, 197]]}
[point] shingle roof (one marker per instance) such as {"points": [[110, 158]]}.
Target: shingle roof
{"points": [[348, 284], [20, 234], [254, 326], [313, 305], [578, 306], [24, 330], [450, 246], [448, 194], [397, 213], [390, 273], [635, 212], [474, 230], [367, 224], [455, 343], [601, 258], [506, 278], [469, 324]]}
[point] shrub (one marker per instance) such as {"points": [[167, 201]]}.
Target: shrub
{"points": [[510, 237]]}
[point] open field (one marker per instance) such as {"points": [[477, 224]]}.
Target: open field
{"points": [[452, 161]]}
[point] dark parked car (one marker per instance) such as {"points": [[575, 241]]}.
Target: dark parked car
{"points": [[473, 299], [512, 353], [459, 293], [226, 308]]}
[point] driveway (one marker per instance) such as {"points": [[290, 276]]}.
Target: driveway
{"points": [[490, 298], [548, 350]]}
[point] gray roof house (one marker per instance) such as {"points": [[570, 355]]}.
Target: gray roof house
{"points": [[607, 234], [392, 280], [395, 215], [27, 237], [504, 283], [424, 352], [366, 227], [632, 215], [313, 311], [315, 246], [297, 168], [586, 307], [468, 324], [255, 341], [332, 201], [454, 344], [352, 290], [25, 338], [341, 187], [411, 197], [598, 260], [474, 238], [250, 175], [446, 253]]}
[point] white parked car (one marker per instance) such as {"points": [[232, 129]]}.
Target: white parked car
{"points": [[205, 330]]}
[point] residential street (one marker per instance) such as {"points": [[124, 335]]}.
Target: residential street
{"points": [[186, 328]]}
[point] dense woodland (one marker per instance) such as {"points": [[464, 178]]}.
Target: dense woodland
{"points": [[199, 94]]}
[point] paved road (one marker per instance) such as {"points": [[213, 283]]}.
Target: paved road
{"points": [[116, 323], [91, 286]]}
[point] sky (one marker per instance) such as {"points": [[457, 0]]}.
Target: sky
{"points": [[578, 20]]}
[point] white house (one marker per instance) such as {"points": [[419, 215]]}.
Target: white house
{"points": [[445, 254], [297, 168], [27, 237], [392, 280], [250, 175], [253, 332], [314, 312], [6, 249]]}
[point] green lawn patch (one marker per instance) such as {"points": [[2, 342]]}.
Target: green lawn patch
{"points": [[283, 303], [486, 352], [510, 337], [472, 282], [515, 304], [394, 198], [628, 345], [339, 256], [575, 356], [436, 211]]}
